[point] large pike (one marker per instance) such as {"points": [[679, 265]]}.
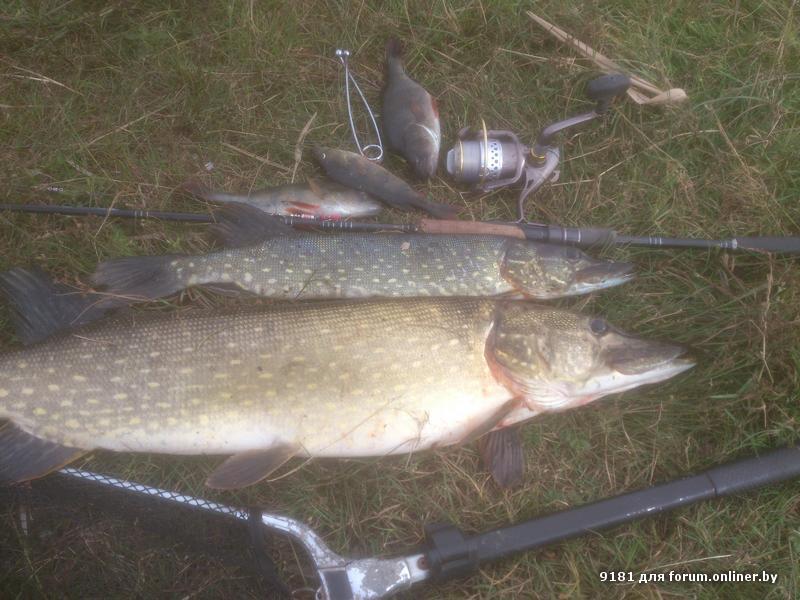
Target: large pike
{"points": [[322, 199], [264, 384], [276, 261]]}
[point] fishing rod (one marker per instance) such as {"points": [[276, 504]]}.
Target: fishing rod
{"points": [[488, 159], [583, 237], [85, 211], [587, 237], [449, 553]]}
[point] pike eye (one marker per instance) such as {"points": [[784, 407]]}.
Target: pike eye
{"points": [[599, 327]]}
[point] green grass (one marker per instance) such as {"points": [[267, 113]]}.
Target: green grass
{"points": [[124, 101]]}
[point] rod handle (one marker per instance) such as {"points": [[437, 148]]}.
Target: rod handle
{"points": [[758, 471], [783, 245], [450, 553], [470, 227]]}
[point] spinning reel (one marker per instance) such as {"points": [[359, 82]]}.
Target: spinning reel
{"points": [[491, 159]]}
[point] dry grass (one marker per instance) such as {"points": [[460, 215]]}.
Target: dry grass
{"points": [[120, 102]]}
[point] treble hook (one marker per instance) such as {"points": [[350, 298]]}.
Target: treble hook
{"points": [[369, 150]]}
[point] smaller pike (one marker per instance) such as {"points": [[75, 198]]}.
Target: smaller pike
{"points": [[322, 199], [353, 170], [410, 116], [269, 259]]}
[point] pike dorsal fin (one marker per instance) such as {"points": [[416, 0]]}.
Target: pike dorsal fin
{"points": [[24, 456], [239, 225], [247, 468], [501, 451], [40, 307]]}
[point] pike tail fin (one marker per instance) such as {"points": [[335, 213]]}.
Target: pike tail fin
{"points": [[24, 456], [40, 307], [139, 278]]}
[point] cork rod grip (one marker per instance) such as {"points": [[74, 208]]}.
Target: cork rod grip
{"points": [[470, 227]]}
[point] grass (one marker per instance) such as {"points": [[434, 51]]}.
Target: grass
{"points": [[120, 102]]}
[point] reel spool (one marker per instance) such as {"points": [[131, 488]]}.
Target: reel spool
{"points": [[492, 159]]}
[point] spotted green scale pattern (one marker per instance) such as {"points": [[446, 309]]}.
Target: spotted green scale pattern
{"points": [[353, 266], [337, 379]]}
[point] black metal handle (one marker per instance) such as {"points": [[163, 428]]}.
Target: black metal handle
{"points": [[783, 245], [468, 552]]}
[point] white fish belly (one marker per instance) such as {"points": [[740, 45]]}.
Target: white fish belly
{"points": [[432, 421]]}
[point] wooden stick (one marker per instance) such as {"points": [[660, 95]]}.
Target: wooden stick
{"points": [[641, 91]]}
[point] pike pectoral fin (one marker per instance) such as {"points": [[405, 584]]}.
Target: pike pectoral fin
{"points": [[240, 225], [24, 456], [247, 468], [490, 423], [501, 451]]}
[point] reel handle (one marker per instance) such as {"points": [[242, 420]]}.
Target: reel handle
{"points": [[605, 88], [602, 90]]}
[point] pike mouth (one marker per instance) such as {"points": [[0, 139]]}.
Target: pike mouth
{"points": [[554, 396], [639, 358], [665, 370], [605, 274], [635, 363]]}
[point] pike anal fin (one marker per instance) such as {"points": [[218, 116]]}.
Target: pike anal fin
{"points": [[247, 468], [24, 456]]}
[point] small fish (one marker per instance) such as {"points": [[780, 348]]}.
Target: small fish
{"points": [[317, 198], [410, 116], [270, 259], [264, 384], [353, 170]]}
